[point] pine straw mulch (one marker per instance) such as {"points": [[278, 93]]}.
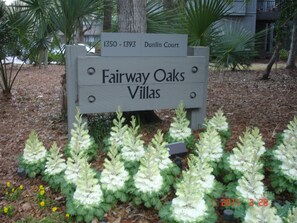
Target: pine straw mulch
{"points": [[36, 104]]}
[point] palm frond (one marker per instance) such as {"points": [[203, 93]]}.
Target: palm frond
{"points": [[200, 17], [235, 47], [159, 19]]}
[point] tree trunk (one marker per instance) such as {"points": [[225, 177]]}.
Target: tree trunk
{"points": [[272, 60], [80, 31], [40, 58], [132, 18], [293, 46], [46, 57], [108, 6]]}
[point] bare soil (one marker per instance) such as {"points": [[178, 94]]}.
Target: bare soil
{"points": [[246, 100]]}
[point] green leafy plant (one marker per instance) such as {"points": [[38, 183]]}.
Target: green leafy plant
{"points": [[200, 18], [249, 149], [114, 178], [292, 216], [179, 130], [34, 156], [256, 212], [73, 166], [7, 210], [235, 47], [283, 54], [54, 168], [13, 193], [284, 168], [118, 131], [132, 149], [219, 122], [209, 145], [100, 126], [81, 140], [87, 201], [190, 204], [149, 184]]}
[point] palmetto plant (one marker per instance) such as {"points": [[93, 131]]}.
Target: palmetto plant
{"points": [[14, 28], [200, 18], [235, 47], [67, 14], [41, 27], [159, 19]]}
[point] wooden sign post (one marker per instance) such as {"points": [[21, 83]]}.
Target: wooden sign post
{"points": [[126, 76]]}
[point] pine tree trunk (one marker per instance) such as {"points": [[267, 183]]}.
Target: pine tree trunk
{"points": [[132, 18], [272, 60], [293, 46], [80, 31], [108, 6]]}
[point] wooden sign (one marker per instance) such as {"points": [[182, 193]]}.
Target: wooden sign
{"points": [[99, 84], [143, 44]]}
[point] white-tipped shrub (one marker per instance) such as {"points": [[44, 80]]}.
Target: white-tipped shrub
{"points": [[54, 168], [179, 130], [257, 213], [132, 145], [34, 156]]}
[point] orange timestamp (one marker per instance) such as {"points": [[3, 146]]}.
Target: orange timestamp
{"points": [[230, 202]]}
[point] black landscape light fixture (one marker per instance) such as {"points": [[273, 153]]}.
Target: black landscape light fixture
{"points": [[177, 148], [228, 215], [21, 172]]}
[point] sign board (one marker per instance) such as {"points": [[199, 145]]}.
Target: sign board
{"points": [[139, 83], [143, 44], [144, 79]]}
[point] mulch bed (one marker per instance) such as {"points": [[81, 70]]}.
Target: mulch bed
{"points": [[35, 104]]}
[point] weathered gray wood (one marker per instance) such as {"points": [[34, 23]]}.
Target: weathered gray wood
{"points": [[94, 99], [91, 86], [197, 116], [72, 53], [139, 44], [96, 70]]}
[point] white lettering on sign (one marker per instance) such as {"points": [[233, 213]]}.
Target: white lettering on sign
{"points": [[143, 44]]}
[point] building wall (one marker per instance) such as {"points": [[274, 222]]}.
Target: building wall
{"points": [[244, 13]]}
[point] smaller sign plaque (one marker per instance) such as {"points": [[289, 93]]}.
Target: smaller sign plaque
{"points": [[177, 148], [143, 44]]}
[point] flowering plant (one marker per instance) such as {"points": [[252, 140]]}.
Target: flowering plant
{"points": [[160, 151], [87, 201], [292, 216], [283, 162], [34, 156], [54, 168], [80, 135], [190, 205], [118, 131], [248, 151], [114, 177], [13, 193], [132, 149], [149, 184], [257, 213], [219, 123], [209, 145], [179, 129], [73, 167]]}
